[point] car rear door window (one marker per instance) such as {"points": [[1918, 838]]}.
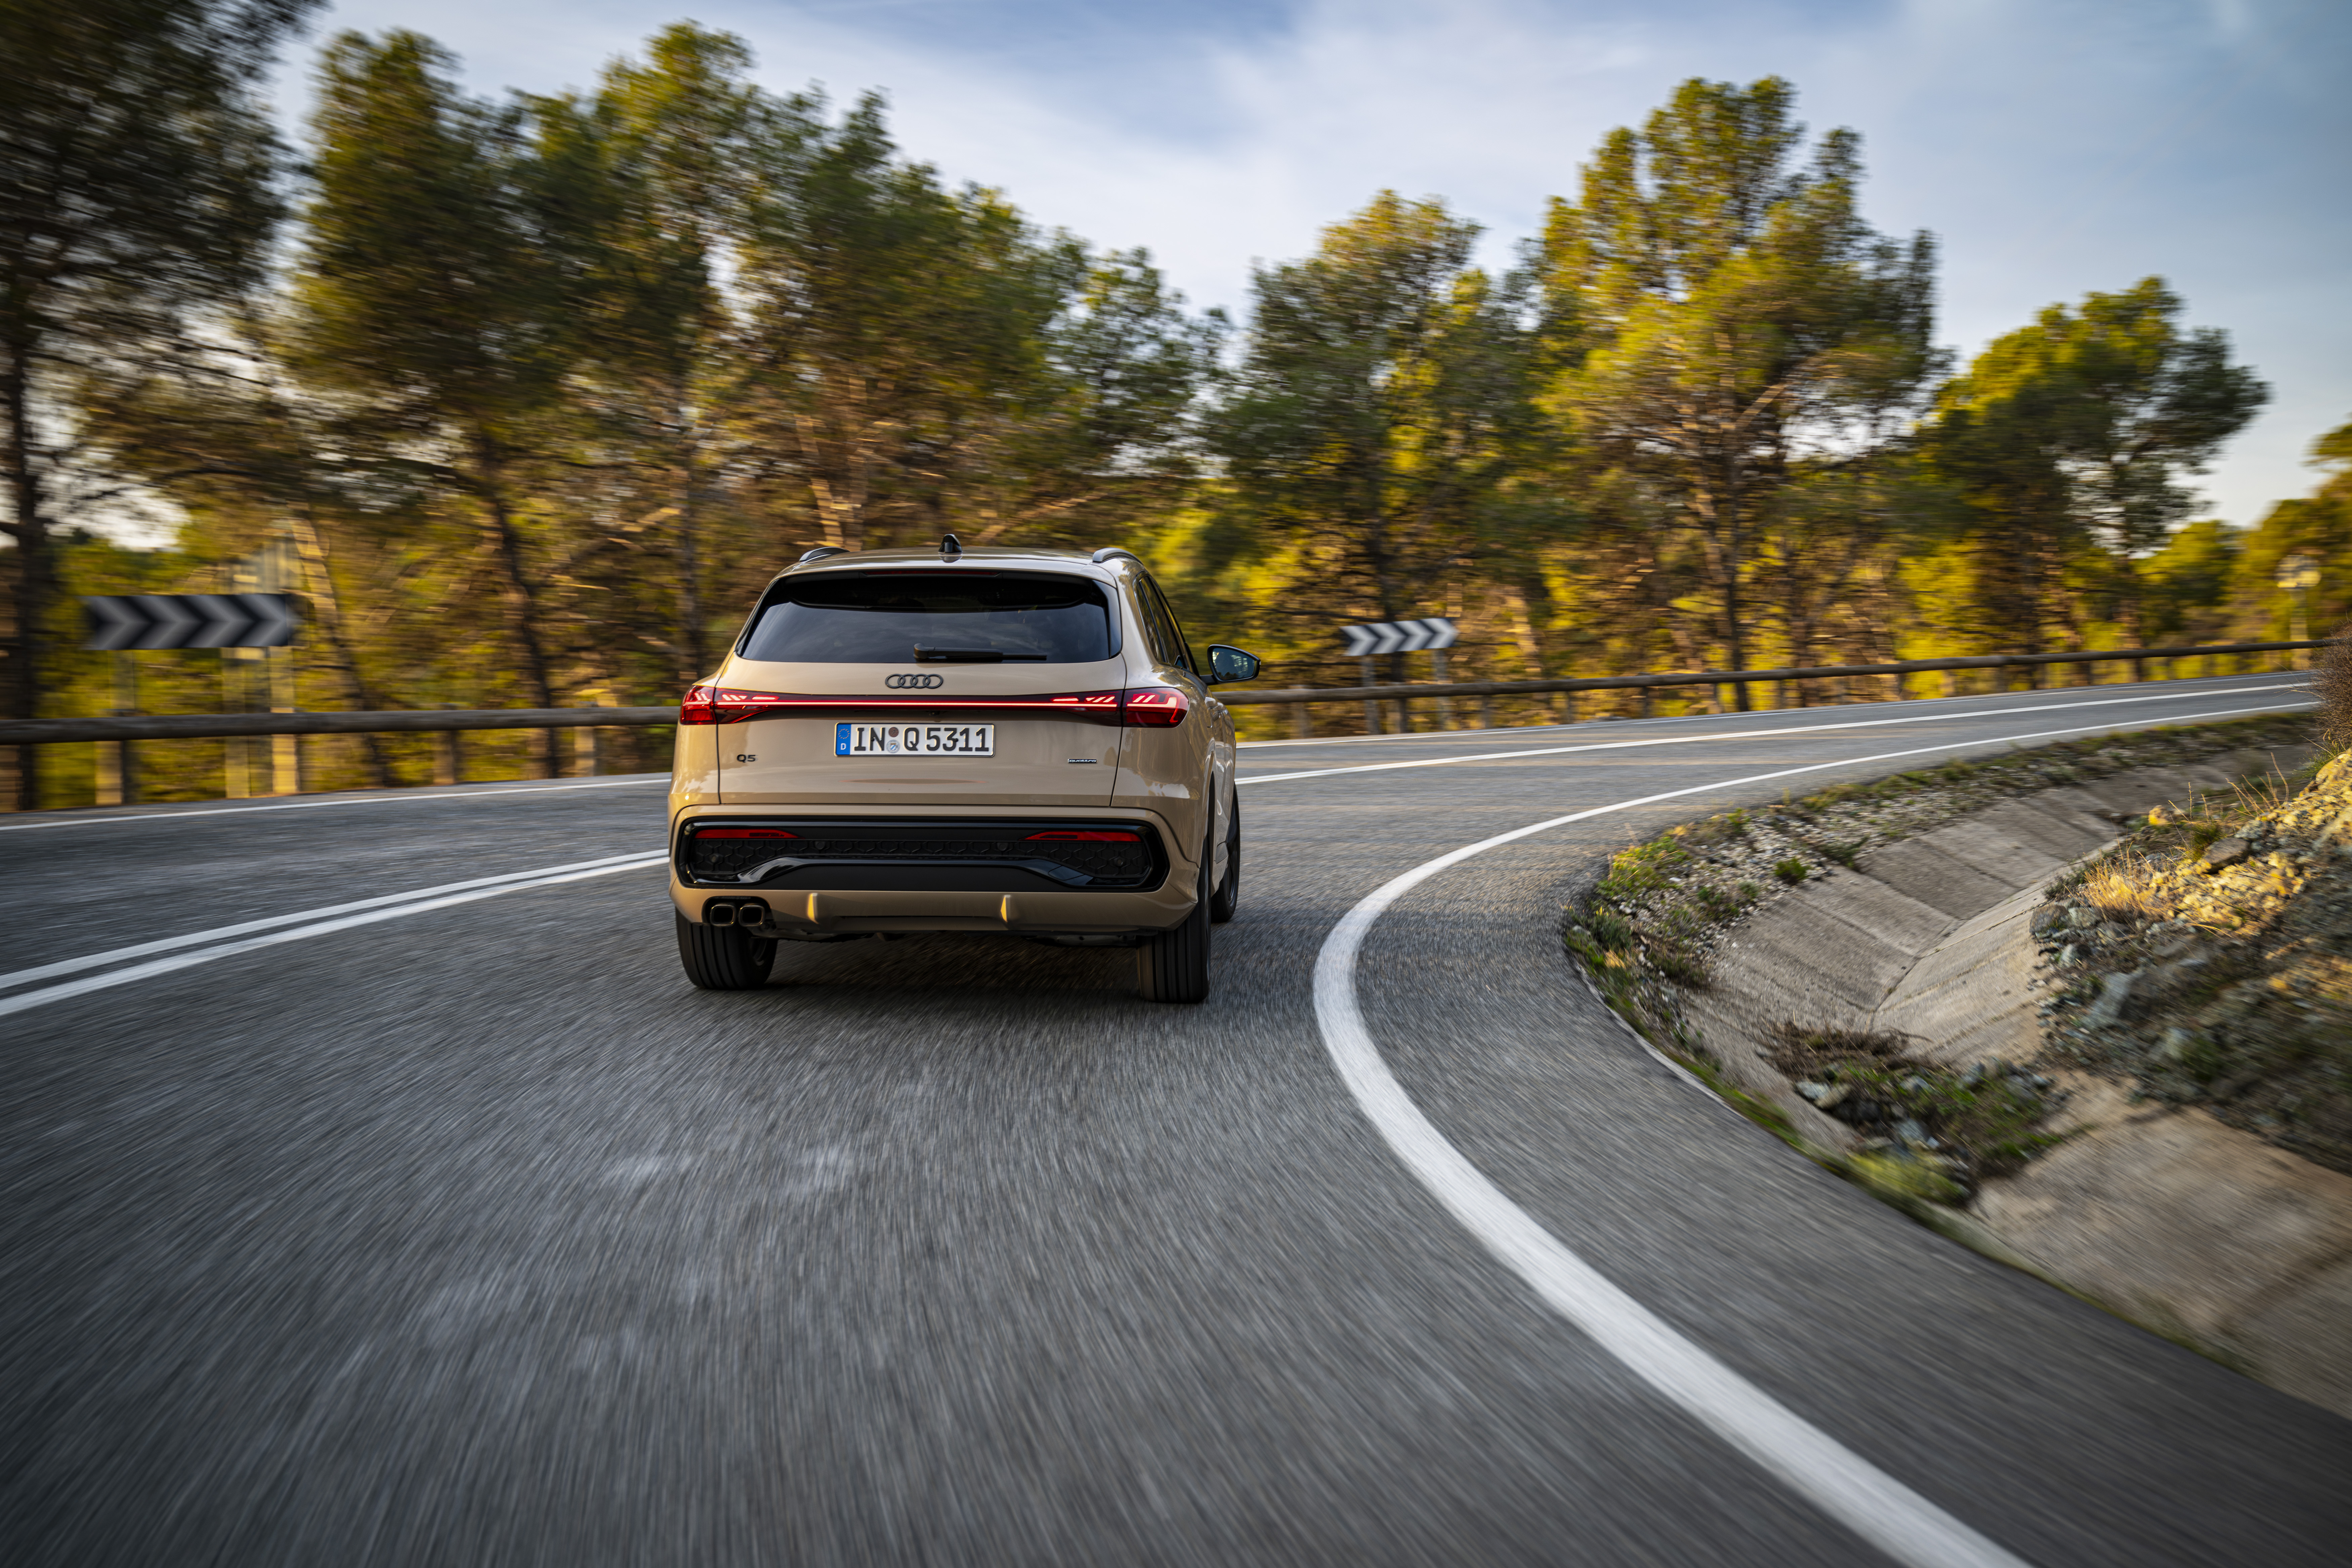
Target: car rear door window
{"points": [[934, 618], [1167, 638]]}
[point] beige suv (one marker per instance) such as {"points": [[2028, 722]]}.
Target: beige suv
{"points": [[1010, 740]]}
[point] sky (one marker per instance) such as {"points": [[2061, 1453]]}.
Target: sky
{"points": [[2053, 147]]}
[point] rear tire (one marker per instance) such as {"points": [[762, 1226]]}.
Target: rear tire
{"points": [[1227, 900], [1173, 966], [723, 958]]}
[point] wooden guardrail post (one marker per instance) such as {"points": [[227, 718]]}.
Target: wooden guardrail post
{"points": [[118, 760], [449, 756], [285, 748]]}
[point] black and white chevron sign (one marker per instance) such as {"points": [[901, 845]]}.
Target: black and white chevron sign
{"points": [[1376, 637], [189, 620]]}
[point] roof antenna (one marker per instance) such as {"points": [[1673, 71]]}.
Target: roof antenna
{"points": [[950, 547]]}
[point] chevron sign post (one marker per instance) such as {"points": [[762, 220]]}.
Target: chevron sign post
{"points": [[1433, 636], [125, 624], [1376, 638], [137, 621]]}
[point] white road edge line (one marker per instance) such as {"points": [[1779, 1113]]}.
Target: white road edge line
{"points": [[25, 1000], [2192, 688], [1763, 734], [218, 933], [371, 799], [1839, 1482]]}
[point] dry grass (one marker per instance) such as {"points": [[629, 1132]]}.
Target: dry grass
{"points": [[2260, 795], [2119, 891]]}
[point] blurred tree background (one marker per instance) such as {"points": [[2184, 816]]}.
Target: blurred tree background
{"points": [[528, 397]]}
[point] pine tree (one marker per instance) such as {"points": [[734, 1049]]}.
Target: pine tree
{"points": [[1377, 414], [1720, 313], [2068, 439], [137, 198], [432, 309]]}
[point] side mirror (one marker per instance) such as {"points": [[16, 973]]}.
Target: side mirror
{"points": [[1230, 664]]}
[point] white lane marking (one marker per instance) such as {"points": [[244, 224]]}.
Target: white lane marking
{"points": [[24, 1000], [1841, 1483], [220, 933], [1761, 734], [339, 800], [2187, 688]]}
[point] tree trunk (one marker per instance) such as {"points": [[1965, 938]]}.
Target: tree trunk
{"points": [[1735, 639], [522, 612], [689, 564], [30, 532], [1523, 632], [319, 579]]}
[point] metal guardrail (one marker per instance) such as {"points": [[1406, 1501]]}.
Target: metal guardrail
{"points": [[1732, 676], [394, 720], [209, 726]]}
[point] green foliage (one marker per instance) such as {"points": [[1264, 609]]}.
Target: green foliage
{"points": [[1714, 830], [2186, 584], [1899, 1176], [433, 308], [2067, 440], [2317, 527], [1381, 407], [1645, 869], [1790, 871], [1719, 316], [550, 384], [138, 199], [1612, 932], [1677, 961], [1984, 1121]]}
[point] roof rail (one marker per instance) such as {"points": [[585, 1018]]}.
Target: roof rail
{"points": [[820, 552], [1112, 553]]}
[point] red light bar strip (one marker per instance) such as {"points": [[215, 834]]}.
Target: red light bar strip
{"points": [[729, 706]]}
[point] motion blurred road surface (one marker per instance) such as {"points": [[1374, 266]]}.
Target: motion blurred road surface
{"points": [[472, 1233]]}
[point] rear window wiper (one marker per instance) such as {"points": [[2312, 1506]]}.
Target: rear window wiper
{"points": [[968, 655]]}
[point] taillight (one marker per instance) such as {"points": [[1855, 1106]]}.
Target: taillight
{"points": [[1090, 837], [724, 705], [744, 832], [1156, 707]]}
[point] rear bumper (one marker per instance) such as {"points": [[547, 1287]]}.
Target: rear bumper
{"points": [[880, 893]]}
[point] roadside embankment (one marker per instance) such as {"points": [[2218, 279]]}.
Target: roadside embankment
{"points": [[1869, 972]]}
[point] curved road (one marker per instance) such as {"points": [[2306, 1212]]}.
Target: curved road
{"points": [[459, 1229]]}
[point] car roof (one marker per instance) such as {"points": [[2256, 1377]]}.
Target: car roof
{"points": [[991, 556]]}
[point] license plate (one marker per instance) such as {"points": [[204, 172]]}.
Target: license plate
{"points": [[914, 740]]}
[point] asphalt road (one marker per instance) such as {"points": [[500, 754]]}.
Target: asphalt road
{"points": [[473, 1234]]}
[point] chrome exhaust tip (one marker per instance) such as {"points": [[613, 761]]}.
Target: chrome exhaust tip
{"points": [[717, 913]]}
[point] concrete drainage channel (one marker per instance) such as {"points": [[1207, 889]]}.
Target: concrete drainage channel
{"points": [[1885, 1015]]}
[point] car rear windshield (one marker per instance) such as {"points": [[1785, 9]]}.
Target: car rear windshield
{"points": [[935, 618]]}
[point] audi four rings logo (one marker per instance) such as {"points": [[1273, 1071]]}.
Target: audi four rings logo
{"points": [[914, 682]]}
